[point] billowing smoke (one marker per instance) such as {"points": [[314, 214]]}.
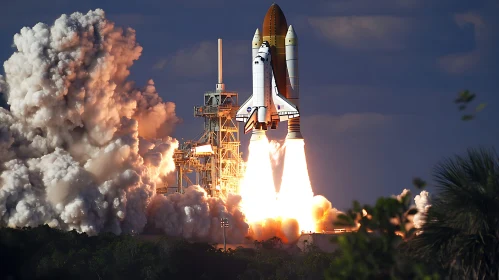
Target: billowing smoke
{"points": [[422, 204], [324, 214], [3, 103], [194, 215], [82, 148], [288, 230], [2, 84], [403, 194]]}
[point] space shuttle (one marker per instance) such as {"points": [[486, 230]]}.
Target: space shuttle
{"points": [[275, 79], [265, 107]]}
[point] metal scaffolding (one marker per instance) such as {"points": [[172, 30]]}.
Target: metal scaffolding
{"points": [[222, 169], [214, 158]]}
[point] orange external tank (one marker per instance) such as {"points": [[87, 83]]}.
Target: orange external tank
{"points": [[274, 29]]}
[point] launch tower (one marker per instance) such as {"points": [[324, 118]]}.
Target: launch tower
{"points": [[214, 157]]}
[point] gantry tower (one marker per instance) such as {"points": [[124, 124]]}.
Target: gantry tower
{"points": [[214, 158]]}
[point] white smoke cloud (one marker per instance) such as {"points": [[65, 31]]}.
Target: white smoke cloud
{"points": [[403, 194], [194, 215], [422, 204], [81, 148]]}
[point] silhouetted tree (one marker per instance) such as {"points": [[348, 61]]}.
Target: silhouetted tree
{"points": [[462, 225]]}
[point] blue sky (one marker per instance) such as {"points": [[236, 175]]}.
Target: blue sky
{"points": [[378, 78]]}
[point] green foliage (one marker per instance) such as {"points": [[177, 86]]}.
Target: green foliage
{"points": [[463, 99], [462, 225], [418, 183], [372, 252]]}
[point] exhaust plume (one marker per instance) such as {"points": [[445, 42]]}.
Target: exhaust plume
{"points": [[292, 210], [81, 147]]}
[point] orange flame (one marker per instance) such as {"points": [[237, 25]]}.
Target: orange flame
{"points": [[295, 197], [257, 188], [294, 209]]}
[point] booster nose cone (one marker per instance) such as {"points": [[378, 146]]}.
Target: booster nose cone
{"points": [[257, 135], [257, 40], [291, 38]]}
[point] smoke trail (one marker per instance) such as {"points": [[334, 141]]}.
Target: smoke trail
{"points": [[82, 148], [422, 204]]}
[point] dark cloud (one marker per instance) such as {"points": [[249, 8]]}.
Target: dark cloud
{"points": [[363, 32], [200, 60], [458, 63], [134, 20], [392, 7], [347, 123]]}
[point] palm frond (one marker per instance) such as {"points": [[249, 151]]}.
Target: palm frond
{"points": [[461, 229]]}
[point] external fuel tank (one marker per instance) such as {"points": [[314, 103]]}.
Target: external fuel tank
{"points": [[274, 30]]}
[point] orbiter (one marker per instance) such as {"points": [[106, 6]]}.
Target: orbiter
{"points": [[275, 95]]}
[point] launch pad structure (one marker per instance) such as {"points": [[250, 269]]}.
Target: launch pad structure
{"points": [[214, 159]]}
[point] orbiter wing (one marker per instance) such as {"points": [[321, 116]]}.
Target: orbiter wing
{"points": [[285, 109], [244, 111]]}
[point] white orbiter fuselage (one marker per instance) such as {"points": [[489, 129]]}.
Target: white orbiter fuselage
{"points": [[265, 107]]}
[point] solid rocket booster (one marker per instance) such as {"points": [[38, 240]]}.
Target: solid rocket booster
{"points": [[255, 44], [292, 79]]}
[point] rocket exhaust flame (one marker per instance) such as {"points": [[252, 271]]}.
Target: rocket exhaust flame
{"points": [[259, 198], [257, 189], [295, 195], [294, 209]]}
